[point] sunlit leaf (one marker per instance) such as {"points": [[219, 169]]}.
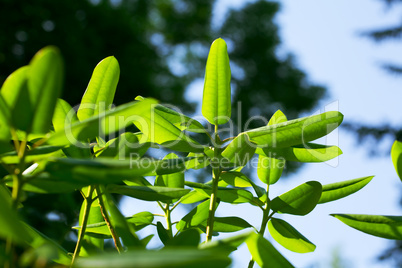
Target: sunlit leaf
{"points": [[100, 92], [118, 222], [238, 179], [335, 191], [137, 221], [193, 197], [91, 244], [35, 154], [45, 81], [309, 152], [63, 116], [10, 225], [126, 146], [66, 174], [158, 129], [295, 132], [168, 258], [240, 150], [396, 155], [269, 169], [174, 180], [228, 244], [286, 235], [179, 120], [216, 103], [5, 120], [101, 125], [16, 96], [298, 201], [37, 239], [149, 193], [264, 253], [195, 217], [229, 224], [382, 226], [229, 195]]}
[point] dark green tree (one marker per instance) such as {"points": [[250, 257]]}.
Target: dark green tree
{"points": [[161, 46]]}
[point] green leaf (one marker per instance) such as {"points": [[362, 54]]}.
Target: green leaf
{"points": [[229, 224], [308, 153], [228, 244], [101, 125], [67, 174], [160, 130], [10, 224], [38, 153], [137, 181], [137, 221], [298, 201], [5, 120], [238, 179], [100, 92], [240, 150], [186, 238], [269, 169], [338, 190], [195, 217], [64, 115], [295, 132], [16, 95], [118, 222], [149, 193], [125, 146], [199, 161], [264, 253], [179, 120], [174, 180], [389, 227], [37, 239], [162, 233], [193, 197], [396, 156], [286, 235], [167, 258], [216, 103], [230, 195], [91, 244], [45, 81]]}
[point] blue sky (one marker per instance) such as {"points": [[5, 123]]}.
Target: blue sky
{"points": [[324, 36]]}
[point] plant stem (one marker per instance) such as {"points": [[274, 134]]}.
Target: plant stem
{"points": [[168, 220], [115, 237], [16, 191], [265, 218], [216, 171], [87, 208]]}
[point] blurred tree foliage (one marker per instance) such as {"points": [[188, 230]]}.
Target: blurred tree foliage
{"points": [[161, 46], [379, 132], [365, 132]]}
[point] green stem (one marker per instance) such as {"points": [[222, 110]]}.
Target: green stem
{"points": [[265, 218], [16, 192], [168, 220], [216, 171], [85, 216], [115, 237], [9, 253]]}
